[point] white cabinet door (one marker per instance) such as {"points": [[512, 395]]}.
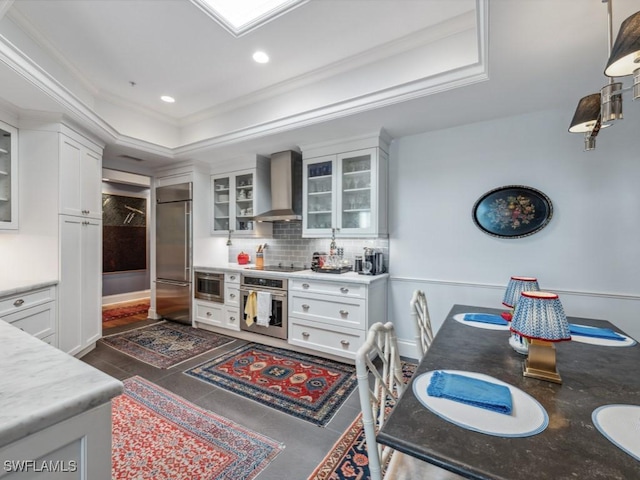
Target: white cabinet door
{"points": [[70, 286], [8, 177], [357, 193], [319, 196], [80, 293], [80, 179]]}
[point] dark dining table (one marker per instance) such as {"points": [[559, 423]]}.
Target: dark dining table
{"points": [[571, 447]]}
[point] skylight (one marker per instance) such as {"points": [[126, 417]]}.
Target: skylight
{"points": [[240, 17]]}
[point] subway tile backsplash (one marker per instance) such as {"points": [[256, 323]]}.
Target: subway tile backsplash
{"points": [[288, 247]]}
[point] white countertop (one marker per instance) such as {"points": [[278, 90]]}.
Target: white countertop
{"points": [[15, 287], [41, 385], [351, 277]]}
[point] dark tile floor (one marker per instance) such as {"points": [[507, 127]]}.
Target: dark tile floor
{"points": [[305, 444]]}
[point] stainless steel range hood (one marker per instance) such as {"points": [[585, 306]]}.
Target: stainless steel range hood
{"points": [[286, 188]]}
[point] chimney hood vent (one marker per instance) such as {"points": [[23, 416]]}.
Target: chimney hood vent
{"points": [[286, 188]]}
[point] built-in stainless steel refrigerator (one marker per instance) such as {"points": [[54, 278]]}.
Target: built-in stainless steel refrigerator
{"points": [[173, 252]]}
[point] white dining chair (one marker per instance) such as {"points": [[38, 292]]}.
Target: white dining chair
{"points": [[379, 388], [380, 384], [422, 321]]}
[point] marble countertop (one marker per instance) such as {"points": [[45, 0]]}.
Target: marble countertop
{"points": [[42, 385], [350, 277], [15, 287]]}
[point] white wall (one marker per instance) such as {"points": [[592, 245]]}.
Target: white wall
{"points": [[588, 253]]}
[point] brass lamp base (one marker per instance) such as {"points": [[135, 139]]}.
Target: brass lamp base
{"points": [[541, 363]]}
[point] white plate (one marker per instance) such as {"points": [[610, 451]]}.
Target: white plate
{"points": [[527, 417], [489, 326], [620, 424], [627, 342]]}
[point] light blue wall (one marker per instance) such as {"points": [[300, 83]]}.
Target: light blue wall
{"points": [[588, 253]]}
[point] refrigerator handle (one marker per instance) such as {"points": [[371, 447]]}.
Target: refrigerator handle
{"points": [[187, 239], [172, 282]]}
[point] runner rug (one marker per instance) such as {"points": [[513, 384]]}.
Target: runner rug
{"points": [[348, 457], [165, 344], [160, 436], [113, 313], [307, 387]]}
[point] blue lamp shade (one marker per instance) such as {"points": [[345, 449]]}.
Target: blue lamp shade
{"points": [[516, 286], [540, 316]]}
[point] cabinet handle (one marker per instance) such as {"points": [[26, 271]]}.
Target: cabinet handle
{"points": [[18, 303], [305, 334], [232, 319], [344, 313], [344, 289], [305, 306], [232, 295], [305, 285], [232, 277], [208, 314], [344, 343]]}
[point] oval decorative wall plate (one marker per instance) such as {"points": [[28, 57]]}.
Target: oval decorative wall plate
{"points": [[513, 211]]}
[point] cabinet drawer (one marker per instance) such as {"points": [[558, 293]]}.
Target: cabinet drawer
{"points": [[210, 313], [346, 312], [231, 296], [38, 321], [16, 303], [335, 340], [232, 279], [232, 319], [339, 289]]}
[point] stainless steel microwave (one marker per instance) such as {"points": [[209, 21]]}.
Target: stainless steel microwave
{"points": [[209, 286]]}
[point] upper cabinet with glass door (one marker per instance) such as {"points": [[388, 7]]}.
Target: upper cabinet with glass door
{"points": [[238, 197], [347, 190], [8, 177]]}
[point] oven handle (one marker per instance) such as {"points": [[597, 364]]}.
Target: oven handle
{"points": [[274, 294]]}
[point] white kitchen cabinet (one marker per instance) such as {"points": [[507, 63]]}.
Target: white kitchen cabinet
{"points": [[8, 177], [80, 287], [241, 189], [334, 316], [79, 448], [33, 311], [210, 313], [80, 178], [345, 189]]}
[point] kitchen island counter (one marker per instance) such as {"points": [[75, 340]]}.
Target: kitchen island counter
{"points": [[42, 386]]}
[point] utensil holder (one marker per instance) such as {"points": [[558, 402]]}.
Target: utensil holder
{"points": [[259, 260]]}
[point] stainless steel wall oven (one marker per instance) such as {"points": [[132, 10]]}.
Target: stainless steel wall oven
{"points": [[277, 287]]}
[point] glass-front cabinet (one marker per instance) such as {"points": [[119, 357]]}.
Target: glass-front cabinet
{"points": [[345, 191], [236, 198], [8, 177]]}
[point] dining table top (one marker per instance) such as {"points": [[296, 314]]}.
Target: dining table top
{"points": [[570, 447]]}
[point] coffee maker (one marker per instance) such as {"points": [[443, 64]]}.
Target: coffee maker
{"points": [[372, 262]]}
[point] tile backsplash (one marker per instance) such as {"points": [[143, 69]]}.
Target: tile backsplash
{"points": [[288, 247]]}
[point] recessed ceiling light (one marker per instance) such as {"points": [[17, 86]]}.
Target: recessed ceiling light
{"points": [[260, 57], [167, 98]]}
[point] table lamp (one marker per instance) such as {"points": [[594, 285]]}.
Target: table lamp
{"points": [[540, 318], [515, 287]]}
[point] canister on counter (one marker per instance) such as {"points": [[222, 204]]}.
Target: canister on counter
{"points": [[358, 264]]}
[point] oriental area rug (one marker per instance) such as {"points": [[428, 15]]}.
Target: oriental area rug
{"points": [[165, 344], [305, 386], [160, 436], [348, 459], [124, 313]]}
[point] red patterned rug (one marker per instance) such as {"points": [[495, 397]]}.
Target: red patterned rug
{"points": [[160, 436], [114, 313], [308, 387], [347, 459]]}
